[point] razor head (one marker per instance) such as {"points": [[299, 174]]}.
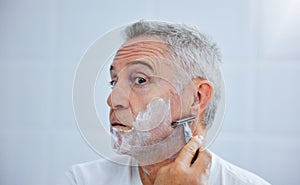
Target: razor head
{"points": [[183, 120]]}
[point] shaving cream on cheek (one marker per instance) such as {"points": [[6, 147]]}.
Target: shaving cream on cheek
{"points": [[157, 110], [149, 126], [151, 139]]}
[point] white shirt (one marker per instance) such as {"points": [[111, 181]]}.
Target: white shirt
{"points": [[103, 172]]}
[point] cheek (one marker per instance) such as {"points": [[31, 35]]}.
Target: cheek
{"points": [[180, 106], [176, 107], [138, 102]]}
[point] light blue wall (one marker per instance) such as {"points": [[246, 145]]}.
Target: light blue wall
{"points": [[41, 43]]}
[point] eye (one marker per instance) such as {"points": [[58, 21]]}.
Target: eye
{"points": [[139, 80], [112, 83]]}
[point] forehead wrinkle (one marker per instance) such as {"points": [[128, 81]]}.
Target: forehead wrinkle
{"points": [[153, 52], [142, 51], [136, 62], [147, 48]]}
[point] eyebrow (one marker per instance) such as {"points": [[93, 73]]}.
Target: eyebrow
{"points": [[112, 68]]}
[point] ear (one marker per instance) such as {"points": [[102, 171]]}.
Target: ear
{"points": [[203, 93]]}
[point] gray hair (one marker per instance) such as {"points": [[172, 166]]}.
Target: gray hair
{"points": [[194, 52]]}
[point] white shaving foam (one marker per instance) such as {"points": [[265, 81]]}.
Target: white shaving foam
{"points": [[152, 139]]}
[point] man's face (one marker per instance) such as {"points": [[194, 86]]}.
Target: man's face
{"points": [[144, 100]]}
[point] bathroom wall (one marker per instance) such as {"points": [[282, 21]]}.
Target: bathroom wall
{"points": [[41, 43]]}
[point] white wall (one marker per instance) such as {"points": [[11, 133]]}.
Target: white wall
{"points": [[41, 43]]}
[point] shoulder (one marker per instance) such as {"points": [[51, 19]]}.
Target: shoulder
{"points": [[100, 171], [224, 173]]}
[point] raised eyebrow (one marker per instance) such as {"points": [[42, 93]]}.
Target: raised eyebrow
{"points": [[143, 63], [112, 68]]}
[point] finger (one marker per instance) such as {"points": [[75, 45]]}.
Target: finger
{"points": [[203, 161], [188, 151]]}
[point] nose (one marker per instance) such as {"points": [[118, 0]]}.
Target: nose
{"points": [[118, 98]]}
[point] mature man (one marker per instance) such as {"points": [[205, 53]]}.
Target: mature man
{"points": [[166, 86]]}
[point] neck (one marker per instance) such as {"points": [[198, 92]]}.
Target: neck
{"points": [[148, 173]]}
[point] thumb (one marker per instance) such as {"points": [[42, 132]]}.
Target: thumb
{"points": [[189, 150]]}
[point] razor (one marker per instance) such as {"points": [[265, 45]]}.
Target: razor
{"points": [[186, 129]]}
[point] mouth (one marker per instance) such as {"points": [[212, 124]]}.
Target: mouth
{"points": [[119, 126], [116, 124]]}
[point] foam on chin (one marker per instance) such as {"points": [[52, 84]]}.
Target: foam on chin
{"points": [[152, 139]]}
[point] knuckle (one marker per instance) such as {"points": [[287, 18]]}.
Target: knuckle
{"points": [[207, 157], [195, 142], [188, 149], [191, 148]]}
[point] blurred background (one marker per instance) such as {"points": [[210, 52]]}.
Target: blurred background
{"points": [[41, 43]]}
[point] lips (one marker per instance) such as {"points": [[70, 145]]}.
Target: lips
{"points": [[115, 123]]}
